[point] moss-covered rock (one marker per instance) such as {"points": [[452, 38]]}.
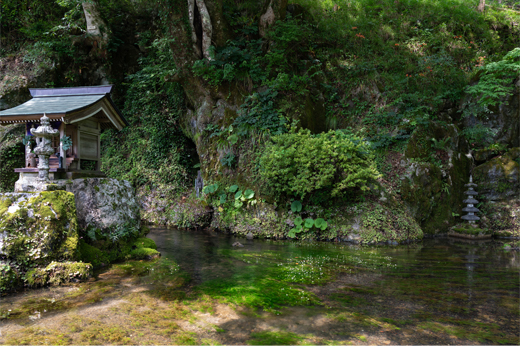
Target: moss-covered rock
{"points": [[9, 278], [502, 217], [365, 223], [36, 229], [93, 255], [436, 170], [499, 178], [260, 221], [467, 231], [57, 273], [106, 252], [181, 211], [143, 253]]}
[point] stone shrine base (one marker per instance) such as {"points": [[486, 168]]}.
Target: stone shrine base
{"points": [[58, 179]]}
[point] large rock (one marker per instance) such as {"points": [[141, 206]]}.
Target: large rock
{"points": [[499, 178], [105, 204], [35, 229], [437, 167], [367, 223], [503, 119]]}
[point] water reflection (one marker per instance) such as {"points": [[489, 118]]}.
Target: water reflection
{"points": [[204, 255]]}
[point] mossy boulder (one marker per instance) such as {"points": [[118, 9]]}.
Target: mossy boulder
{"points": [[105, 252], [39, 227], [36, 229], [365, 223], [467, 231], [502, 217], [57, 273], [502, 119], [499, 178], [9, 277], [183, 212], [437, 168], [259, 221]]}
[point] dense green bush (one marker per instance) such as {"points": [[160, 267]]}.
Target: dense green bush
{"points": [[11, 156], [153, 151], [496, 79], [298, 163]]}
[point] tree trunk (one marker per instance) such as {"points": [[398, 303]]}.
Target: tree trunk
{"points": [[481, 6], [195, 26], [95, 25]]}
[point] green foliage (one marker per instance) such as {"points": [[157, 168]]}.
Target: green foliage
{"points": [[8, 278], [12, 155], [28, 139], [478, 136], [22, 20], [258, 113], [321, 224], [296, 206], [210, 189], [57, 273], [306, 225], [66, 142], [248, 194], [496, 79], [299, 164], [152, 151], [229, 160]]}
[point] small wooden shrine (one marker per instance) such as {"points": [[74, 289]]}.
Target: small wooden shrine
{"points": [[79, 114]]}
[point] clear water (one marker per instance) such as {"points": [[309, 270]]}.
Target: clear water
{"points": [[434, 290]]}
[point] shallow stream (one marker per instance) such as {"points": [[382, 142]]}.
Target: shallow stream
{"points": [[204, 290]]}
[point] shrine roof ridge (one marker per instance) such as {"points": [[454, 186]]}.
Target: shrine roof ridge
{"points": [[71, 91]]}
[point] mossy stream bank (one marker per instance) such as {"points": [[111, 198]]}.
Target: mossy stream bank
{"points": [[205, 291]]}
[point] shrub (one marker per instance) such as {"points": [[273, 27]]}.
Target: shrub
{"points": [[299, 163]]}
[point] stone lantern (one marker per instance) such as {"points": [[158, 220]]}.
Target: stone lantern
{"points": [[471, 201], [44, 134]]}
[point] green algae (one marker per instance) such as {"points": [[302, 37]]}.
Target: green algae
{"points": [[439, 288], [57, 273], [38, 229], [275, 338], [106, 252]]}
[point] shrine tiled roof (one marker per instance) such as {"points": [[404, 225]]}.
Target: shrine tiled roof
{"points": [[66, 104], [52, 105]]}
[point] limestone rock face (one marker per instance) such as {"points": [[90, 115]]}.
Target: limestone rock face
{"points": [[35, 229], [499, 178], [433, 186], [105, 203], [503, 119]]}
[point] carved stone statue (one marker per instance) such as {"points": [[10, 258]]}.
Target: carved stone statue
{"points": [[44, 134]]}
